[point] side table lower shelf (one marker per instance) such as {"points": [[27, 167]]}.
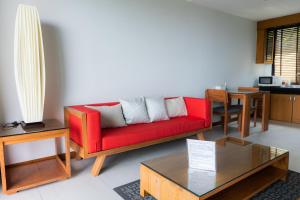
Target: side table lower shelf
{"points": [[34, 173]]}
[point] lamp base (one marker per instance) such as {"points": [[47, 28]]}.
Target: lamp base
{"points": [[32, 125]]}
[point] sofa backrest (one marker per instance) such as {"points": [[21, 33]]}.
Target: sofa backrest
{"points": [[109, 103]]}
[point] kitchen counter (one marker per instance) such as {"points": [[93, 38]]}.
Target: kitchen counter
{"points": [[280, 90]]}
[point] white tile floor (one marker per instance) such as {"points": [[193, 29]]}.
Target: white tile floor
{"points": [[124, 168]]}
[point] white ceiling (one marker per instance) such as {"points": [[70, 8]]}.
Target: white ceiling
{"points": [[253, 9]]}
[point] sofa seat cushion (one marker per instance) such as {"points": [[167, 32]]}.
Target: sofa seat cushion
{"points": [[138, 133]]}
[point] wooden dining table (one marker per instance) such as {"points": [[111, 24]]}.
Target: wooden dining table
{"points": [[245, 97]]}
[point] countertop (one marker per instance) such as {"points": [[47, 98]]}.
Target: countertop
{"points": [[280, 90]]}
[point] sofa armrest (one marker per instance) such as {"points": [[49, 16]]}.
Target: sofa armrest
{"points": [[199, 107], [85, 128]]}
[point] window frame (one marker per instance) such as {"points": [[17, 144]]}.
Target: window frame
{"points": [[275, 29]]}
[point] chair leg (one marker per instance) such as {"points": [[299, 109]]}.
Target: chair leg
{"points": [[225, 125], [98, 165], [255, 117], [201, 136], [240, 122]]}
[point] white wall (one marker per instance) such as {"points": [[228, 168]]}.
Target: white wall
{"points": [[102, 50]]}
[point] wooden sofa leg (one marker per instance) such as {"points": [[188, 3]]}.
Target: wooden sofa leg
{"points": [[201, 136], [77, 155], [98, 165]]}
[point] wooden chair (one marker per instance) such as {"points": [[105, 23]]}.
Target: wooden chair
{"points": [[255, 101], [226, 110]]}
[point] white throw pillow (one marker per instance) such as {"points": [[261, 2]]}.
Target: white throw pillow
{"points": [[111, 116], [176, 107], [156, 109], [134, 110]]}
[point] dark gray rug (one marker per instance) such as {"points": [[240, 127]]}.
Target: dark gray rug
{"points": [[289, 190]]}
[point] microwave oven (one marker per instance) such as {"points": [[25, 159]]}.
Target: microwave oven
{"points": [[269, 81]]}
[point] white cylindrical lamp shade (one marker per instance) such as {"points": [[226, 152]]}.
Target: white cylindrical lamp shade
{"points": [[29, 63]]}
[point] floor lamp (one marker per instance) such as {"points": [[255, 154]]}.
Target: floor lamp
{"points": [[29, 66]]}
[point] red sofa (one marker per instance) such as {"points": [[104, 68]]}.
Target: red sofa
{"points": [[89, 140]]}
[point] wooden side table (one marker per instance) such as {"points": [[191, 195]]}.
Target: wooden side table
{"points": [[21, 176]]}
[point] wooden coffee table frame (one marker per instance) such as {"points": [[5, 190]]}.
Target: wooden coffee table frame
{"points": [[25, 175], [243, 187]]}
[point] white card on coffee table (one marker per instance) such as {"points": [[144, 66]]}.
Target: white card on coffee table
{"points": [[201, 154]]}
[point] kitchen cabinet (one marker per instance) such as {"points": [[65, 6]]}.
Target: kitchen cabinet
{"points": [[296, 109], [285, 107], [281, 107]]}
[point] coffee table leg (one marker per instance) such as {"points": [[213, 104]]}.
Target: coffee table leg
{"points": [[142, 182], [284, 165], [142, 192]]}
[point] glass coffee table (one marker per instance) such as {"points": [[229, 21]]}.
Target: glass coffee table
{"points": [[243, 170]]}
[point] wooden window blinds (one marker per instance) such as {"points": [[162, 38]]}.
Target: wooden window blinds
{"points": [[283, 51]]}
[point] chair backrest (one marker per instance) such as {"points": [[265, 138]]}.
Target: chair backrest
{"points": [[219, 96], [248, 89]]}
